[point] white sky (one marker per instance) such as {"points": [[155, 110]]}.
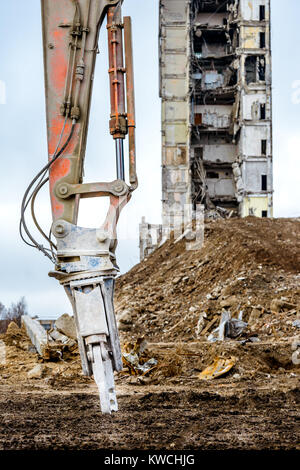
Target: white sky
{"points": [[23, 138]]}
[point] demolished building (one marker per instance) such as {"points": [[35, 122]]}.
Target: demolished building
{"points": [[216, 111], [215, 88]]}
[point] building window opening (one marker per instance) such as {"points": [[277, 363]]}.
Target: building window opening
{"points": [[261, 69], [250, 65], [264, 147], [262, 40], [262, 13], [198, 153], [262, 111], [264, 182], [255, 67], [264, 213], [233, 79], [198, 47], [212, 175], [198, 41]]}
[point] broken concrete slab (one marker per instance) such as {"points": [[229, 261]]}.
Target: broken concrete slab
{"points": [[254, 316], [124, 320], [59, 337], [37, 335], [66, 325], [229, 302], [48, 345], [279, 305], [37, 372], [201, 323]]}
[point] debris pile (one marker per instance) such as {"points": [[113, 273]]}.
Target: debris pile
{"points": [[30, 354], [136, 360], [154, 364], [51, 344], [248, 268], [228, 310], [228, 328]]}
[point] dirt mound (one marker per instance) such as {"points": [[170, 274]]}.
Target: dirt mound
{"points": [[20, 359], [14, 335], [244, 265]]}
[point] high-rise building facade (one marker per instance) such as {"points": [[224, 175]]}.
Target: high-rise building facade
{"points": [[215, 88]]}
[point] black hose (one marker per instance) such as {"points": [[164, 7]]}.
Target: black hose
{"points": [[25, 202], [34, 216]]}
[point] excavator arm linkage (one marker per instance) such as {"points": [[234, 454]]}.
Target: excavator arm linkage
{"points": [[85, 262]]}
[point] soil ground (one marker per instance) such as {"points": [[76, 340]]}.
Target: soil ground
{"points": [[181, 416], [250, 265]]}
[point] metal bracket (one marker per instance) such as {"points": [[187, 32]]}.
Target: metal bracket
{"points": [[116, 188]]}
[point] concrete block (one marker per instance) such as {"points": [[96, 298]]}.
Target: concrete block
{"points": [[37, 335], [66, 325], [37, 372]]}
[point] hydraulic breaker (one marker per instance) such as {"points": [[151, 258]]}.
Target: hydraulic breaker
{"points": [[84, 258]]}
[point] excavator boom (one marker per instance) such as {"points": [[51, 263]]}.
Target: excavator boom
{"points": [[84, 258]]}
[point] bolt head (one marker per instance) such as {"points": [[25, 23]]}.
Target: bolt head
{"points": [[102, 235], [118, 187], [59, 229], [63, 190]]}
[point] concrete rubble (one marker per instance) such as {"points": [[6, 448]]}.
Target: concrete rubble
{"points": [[249, 265], [66, 325], [36, 372], [38, 336], [136, 359], [51, 344]]}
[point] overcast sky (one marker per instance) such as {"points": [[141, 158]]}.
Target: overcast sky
{"points": [[23, 143]]}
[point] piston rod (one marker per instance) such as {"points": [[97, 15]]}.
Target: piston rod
{"points": [[120, 159]]}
